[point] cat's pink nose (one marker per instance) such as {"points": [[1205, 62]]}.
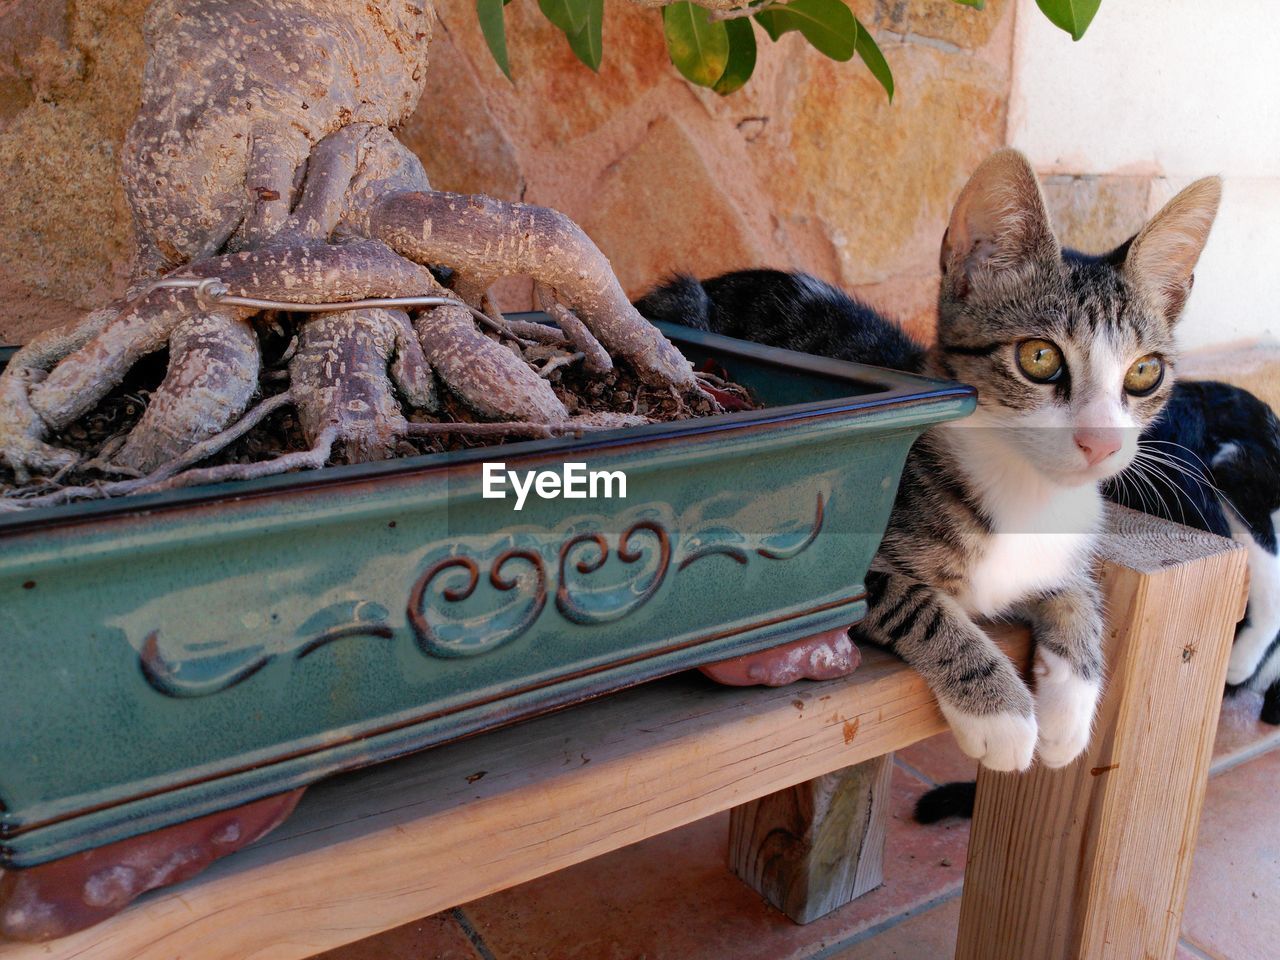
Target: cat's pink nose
{"points": [[1097, 444]]}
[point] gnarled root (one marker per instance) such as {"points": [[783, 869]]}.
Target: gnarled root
{"points": [[490, 378], [339, 377], [595, 359], [350, 364], [22, 431], [302, 273], [485, 239], [212, 375], [94, 357]]}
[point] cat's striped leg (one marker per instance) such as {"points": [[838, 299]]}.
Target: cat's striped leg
{"points": [[1067, 628], [980, 693]]}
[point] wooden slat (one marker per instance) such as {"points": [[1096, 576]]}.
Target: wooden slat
{"points": [[811, 848], [1092, 861], [395, 843]]}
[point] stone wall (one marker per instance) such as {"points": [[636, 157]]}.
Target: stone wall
{"points": [[70, 76], [808, 167]]}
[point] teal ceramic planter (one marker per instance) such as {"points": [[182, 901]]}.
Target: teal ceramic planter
{"points": [[167, 656]]}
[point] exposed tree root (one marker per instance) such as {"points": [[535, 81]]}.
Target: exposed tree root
{"points": [[182, 472], [212, 376], [595, 358], [486, 239], [466, 358]]}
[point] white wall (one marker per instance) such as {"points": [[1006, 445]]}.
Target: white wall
{"points": [[1173, 89]]}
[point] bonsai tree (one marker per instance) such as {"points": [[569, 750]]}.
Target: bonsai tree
{"points": [[268, 189]]}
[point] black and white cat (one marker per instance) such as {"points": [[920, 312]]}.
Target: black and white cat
{"points": [[1052, 339], [1216, 465]]}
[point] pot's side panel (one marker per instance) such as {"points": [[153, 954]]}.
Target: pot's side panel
{"points": [[159, 669]]}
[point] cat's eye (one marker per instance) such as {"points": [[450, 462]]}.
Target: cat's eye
{"points": [[1040, 360], [1144, 376]]}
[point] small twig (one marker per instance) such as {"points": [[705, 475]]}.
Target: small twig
{"points": [[750, 10], [106, 466], [596, 357], [56, 479], [542, 333], [312, 459], [555, 363], [289, 351], [712, 379], [211, 291]]}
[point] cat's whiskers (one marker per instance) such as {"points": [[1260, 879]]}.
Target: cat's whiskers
{"points": [[1184, 467], [1172, 460], [1149, 462], [1142, 470], [1127, 485], [1180, 446]]}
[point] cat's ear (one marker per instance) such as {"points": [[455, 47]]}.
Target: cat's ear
{"points": [[1164, 253], [999, 223]]}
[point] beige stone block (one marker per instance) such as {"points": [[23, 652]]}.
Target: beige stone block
{"points": [[67, 231], [661, 208], [881, 177], [461, 144], [76, 70], [554, 99], [943, 20], [1095, 214]]}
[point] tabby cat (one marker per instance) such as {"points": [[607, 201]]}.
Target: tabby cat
{"points": [[997, 514]]}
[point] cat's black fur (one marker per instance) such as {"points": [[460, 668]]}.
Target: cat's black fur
{"points": [[1203, 418], [791, 310]]}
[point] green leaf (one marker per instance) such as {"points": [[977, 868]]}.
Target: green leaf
{"points": [[698, 46], [742, 56], [1073, 16], [588, 43], [569, 15], [774, 25], [976, 4], [870, 53], [489, 12], [828, 25]]}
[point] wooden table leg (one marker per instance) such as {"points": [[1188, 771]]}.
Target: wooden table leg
{"points": [[814, 847], [1092, 861]]}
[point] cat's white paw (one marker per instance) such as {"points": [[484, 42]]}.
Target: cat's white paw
{"points": [[1246, 653], [999, 741], [1065, 704]]}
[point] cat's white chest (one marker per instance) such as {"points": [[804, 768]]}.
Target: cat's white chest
{"points": [[1037, 547]]}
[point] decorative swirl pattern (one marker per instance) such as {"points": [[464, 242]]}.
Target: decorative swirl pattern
{"points": [[644, 550], [786, 553], [606, 606], [471, 636], [224, 665], [739, 555]]}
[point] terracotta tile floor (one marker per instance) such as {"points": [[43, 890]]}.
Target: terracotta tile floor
{"points": [[673, 898]]}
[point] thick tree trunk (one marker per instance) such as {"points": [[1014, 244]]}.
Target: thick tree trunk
{"points": [[263, 158]]}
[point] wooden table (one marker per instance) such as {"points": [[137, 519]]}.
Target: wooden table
{"points": [[1089, 862]]}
